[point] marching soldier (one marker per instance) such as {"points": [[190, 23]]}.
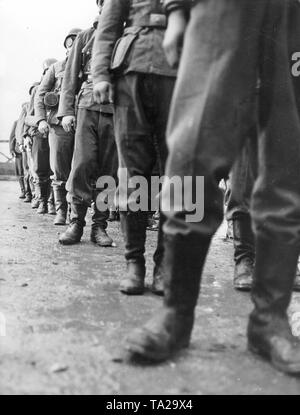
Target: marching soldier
{"points": [[61, 143], [214, 106], [95, 151], [130, 35]]}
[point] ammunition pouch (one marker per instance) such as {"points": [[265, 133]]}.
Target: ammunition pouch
{"points": [[122, 48], [51, 100], [131, 33]]}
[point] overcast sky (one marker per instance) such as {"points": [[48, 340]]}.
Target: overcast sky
{"points": [[30, 32]]}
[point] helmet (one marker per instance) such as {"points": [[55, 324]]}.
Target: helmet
{"points": [[47, 63], [100, 4], [96, 21], [72, 34], [35, 84]]}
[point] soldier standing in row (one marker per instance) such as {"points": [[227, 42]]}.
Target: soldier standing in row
{"points": [[242, 180], [61, 143], [40, 155], [95, 151], [142, 83], [21, 144], [27, 141], [216, 93], [16, 153]]}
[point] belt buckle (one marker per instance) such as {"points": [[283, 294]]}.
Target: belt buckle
{"points": [[158, 20]]}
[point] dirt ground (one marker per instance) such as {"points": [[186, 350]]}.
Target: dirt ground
{"points": [[66, 320]]}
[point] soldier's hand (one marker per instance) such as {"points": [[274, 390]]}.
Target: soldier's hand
{"points": [[44, 127], [174, 36], [69, 123], [104, 93]]}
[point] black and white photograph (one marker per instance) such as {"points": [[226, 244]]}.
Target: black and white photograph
{"points": [[149, 200]]}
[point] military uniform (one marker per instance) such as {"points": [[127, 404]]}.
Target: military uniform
{"points": [[15, 150], [21, 145], [241, 182], [95, 151], [40, 154], [61, 143], [213, 108], [128, 52]]}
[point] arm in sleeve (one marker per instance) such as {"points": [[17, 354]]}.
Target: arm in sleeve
{"points": [[171, 5], [47, 85], [12, 138], [110, 29], [30, 119], [70, 84]]}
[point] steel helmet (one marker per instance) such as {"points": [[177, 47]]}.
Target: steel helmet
{"points": [[96, 21], [35, 84], [73, 33], [47, 63]]}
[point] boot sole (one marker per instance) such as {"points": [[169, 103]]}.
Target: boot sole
{"points": [[132, 292], [291, 369], [139, 355], [69, 242], [242, 288], [159, 293], [107, 245]]}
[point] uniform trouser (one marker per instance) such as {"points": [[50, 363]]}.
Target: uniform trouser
{"points": [[94, 155], [214, 108], [28, 179], [19, 170], [61, 152], [142, 108], [40, 158], [242, 178], [41, 167], [28, 169]]}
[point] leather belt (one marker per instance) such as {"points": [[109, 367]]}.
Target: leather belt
{"points": [[154, 20]]}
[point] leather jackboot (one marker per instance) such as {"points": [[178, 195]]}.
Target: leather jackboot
{"points": [[22, 188], [27, 189], [42, 195], [74, 232], [99, 235], [35, 203], [134, 230], [244, 252], [170, 331], [158, 274], [51, 203], [61, 205], [134, 280], [269, 332]]}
